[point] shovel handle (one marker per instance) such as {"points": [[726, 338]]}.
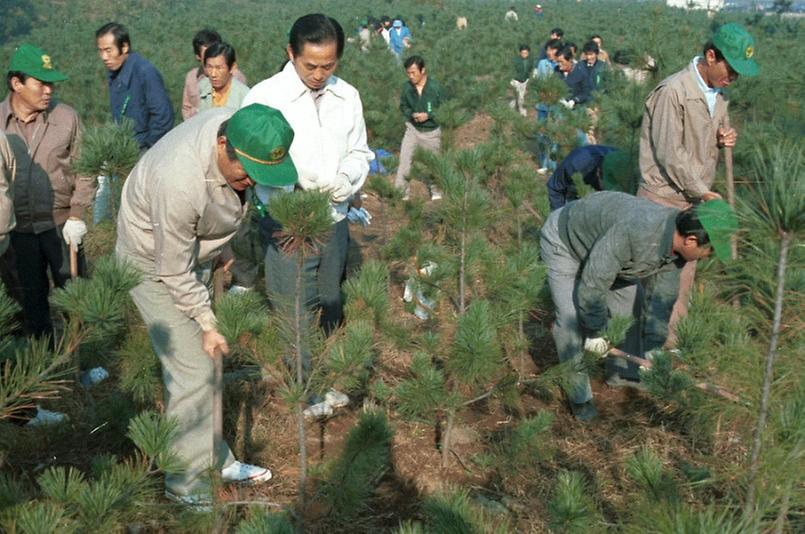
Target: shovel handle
{"points": [[73, 261]]}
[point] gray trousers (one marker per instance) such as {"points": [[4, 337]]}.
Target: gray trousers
{"points": [[189, 378], [321, 276], [413, 138], [563, 276]]}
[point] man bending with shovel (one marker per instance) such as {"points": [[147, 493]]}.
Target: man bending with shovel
{"points": [[603, 253], [180, 207]]}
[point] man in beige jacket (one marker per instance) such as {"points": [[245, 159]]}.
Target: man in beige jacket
{"points": [[685, 123], [180, 207], [50, 200]]}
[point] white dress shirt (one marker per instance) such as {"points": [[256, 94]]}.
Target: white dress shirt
{"points": [[329, 145]]}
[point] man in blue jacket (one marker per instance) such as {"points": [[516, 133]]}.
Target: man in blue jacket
{"points": [[590, 161], [136, 89]]}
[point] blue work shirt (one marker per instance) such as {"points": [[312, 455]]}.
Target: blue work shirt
{"points": [[578, 82], [585, 160], [396, 39], [137, 92]]}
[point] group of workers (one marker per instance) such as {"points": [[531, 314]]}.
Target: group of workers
{"points": [[303, 128]]}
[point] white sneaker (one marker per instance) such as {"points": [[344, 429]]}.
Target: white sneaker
{"points": [[199, 503], [542, 170], [46, 417], [435, 194], [320, 409], [238, 290], [245, 473], [336, 399]]}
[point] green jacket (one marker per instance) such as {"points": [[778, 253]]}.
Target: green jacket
{"points": [[621, 239], [522, 68], [428, 102]]}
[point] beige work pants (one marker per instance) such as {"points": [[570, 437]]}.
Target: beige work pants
{"points": [[520, 89], [189, 378], [413, 138], [686, 275]]}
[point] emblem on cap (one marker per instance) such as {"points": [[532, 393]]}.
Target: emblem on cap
{"points": [[749, 52], [277, 153], [46, 64]]}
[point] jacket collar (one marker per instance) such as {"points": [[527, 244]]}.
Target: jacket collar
{"points": [[126, 71], [667, 255], [296, 88], [7, 113]]}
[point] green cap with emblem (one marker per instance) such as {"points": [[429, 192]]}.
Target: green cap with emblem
{"points": [[261, 138], [33, 62], [738, 47], [720, 222]]}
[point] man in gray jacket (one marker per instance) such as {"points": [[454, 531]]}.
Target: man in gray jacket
{"points": [[685, 123], [181, 205], [599, 251]]}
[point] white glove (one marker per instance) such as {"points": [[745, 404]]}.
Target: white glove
{"points": [[74, 231], [596, 345], [341, 189], [568, 103]]}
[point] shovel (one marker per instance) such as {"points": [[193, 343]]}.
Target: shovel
{"points": [[218, 362], [647, 364]]}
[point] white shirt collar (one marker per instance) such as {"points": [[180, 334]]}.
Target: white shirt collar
{"points": [[297, 88]]}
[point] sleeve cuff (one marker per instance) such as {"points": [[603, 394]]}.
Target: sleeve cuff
{"points": [[206, 320]]}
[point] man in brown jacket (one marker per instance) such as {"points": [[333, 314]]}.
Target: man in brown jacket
{"points": [[685, 123], [49, 199]]}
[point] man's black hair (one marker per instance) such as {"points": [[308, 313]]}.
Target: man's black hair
{"points": [[205, 37], [565, 52], [316, 29], [118, 31], [525, 47], [15, 74], [221, 49], [419, 61], [688, 224], [556, 44], [709, 45], [590, 46], [596, 36], [572, 46], [230, 150], [558, 31]]}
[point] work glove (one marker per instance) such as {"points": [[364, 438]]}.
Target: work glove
{"points": [[596, 345], [568, 103], [74, 231], [341, 189], [359, 215]]}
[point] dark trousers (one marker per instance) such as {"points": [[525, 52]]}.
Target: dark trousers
{"points": [[321, 273], [36, 255]]}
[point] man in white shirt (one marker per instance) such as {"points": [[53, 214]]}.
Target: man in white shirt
{"points": [[330, 153]]}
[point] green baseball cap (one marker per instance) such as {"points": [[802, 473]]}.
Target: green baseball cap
{"points": [[261, 137], [720, 222], [33, 62], [737, 46]]}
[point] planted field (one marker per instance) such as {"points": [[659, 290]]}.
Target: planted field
{"points": [[457, 418]]}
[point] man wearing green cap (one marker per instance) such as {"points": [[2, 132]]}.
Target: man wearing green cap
{"points": [[685, 123], [180, 206], [50, 200], [612, 254]]}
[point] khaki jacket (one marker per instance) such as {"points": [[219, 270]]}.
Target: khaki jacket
{"points": [[678, 145], [178, 212], [7, 169], [46, 190]]}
